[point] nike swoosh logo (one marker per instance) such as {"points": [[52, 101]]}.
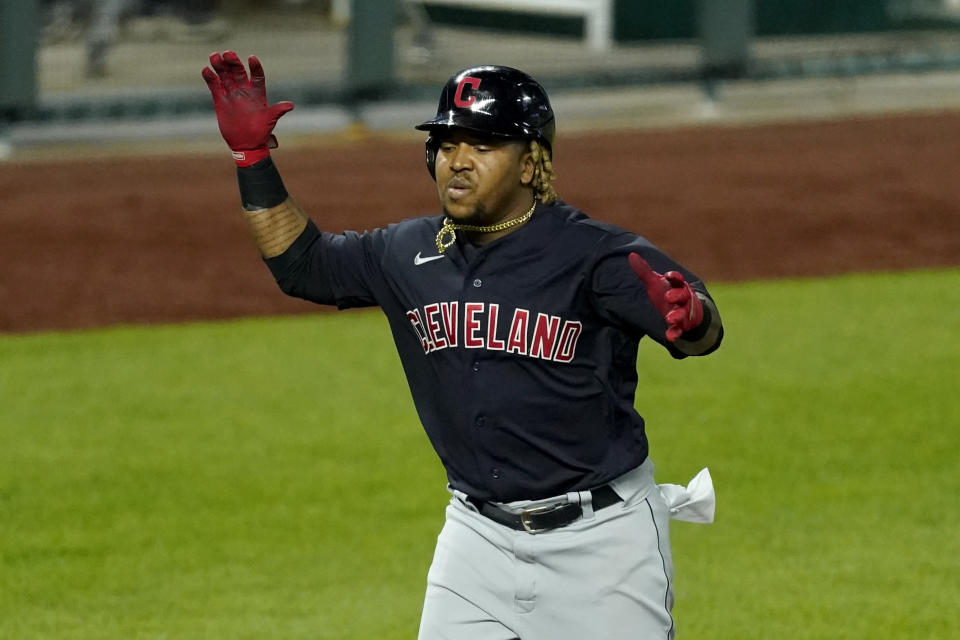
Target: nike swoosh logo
{"points": [[417, 260]]}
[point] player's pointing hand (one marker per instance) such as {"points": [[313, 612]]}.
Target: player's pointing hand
{"points": [[671, 295], [246, 121]]}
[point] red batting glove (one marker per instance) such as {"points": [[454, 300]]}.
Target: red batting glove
{"points": [[672, 296], [245, 120]]}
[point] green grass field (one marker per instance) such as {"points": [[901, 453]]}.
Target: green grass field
{"points": [[268, 478]]}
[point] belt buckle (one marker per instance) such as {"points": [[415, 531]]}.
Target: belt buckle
{"points": [[527, 514]]}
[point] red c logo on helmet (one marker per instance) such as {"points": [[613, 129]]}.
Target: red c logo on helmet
{"points": [[458, 96]]}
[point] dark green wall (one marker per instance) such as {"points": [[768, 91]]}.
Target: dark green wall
{"points": [[506, 21], [19, 24], [675, 19], [654, 19], [780, 17]]}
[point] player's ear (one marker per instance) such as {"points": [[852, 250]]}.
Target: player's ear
{"points": [[527, 165]]}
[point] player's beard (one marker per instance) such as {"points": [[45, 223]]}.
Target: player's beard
{"points": [[479, 216]]}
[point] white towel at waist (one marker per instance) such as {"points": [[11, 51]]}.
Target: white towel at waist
{"points": [[695, 502]]}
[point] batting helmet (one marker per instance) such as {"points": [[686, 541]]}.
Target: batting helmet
{"points": [[493, 100]]}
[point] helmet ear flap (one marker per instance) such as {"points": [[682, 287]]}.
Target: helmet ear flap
{"points": [[431, 157]]}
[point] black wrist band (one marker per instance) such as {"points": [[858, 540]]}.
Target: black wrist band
{"points": [[701, 329], [260, 185]]}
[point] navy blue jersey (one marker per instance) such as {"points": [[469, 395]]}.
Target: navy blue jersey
{"points": [[520, 353]]}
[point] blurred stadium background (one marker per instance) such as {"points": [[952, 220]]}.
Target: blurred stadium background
{"points": [[69, 67]]}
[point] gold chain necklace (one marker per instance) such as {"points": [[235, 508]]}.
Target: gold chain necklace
{"points": [[448, 232]]}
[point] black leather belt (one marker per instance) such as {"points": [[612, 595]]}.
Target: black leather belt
{"points": [[552, 516]]}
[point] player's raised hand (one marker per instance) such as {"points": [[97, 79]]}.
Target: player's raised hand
{"points": [[246, 121], [672, 296]]}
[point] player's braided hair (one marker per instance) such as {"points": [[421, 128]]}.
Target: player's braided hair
{"points": [[543, 175]]}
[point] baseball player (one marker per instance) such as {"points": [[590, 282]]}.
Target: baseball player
{"points": [[517, 320]]}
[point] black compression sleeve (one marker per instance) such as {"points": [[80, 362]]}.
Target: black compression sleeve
{"points": [[260, 185]]}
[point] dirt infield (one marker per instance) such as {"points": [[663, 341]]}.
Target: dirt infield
{"points": [[159, 239]]}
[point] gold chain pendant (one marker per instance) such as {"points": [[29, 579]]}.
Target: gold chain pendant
{"points": [[448, 232]]}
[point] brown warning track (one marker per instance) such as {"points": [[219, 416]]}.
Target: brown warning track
{"points": [[160, 239]]}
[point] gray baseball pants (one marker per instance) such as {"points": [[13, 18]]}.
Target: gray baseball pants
{"points": [[607, 576]]}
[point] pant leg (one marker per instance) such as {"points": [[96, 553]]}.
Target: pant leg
{"points": [[608, 576], [470, 585], [609, 579], [101, 34], [104, 20]]}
